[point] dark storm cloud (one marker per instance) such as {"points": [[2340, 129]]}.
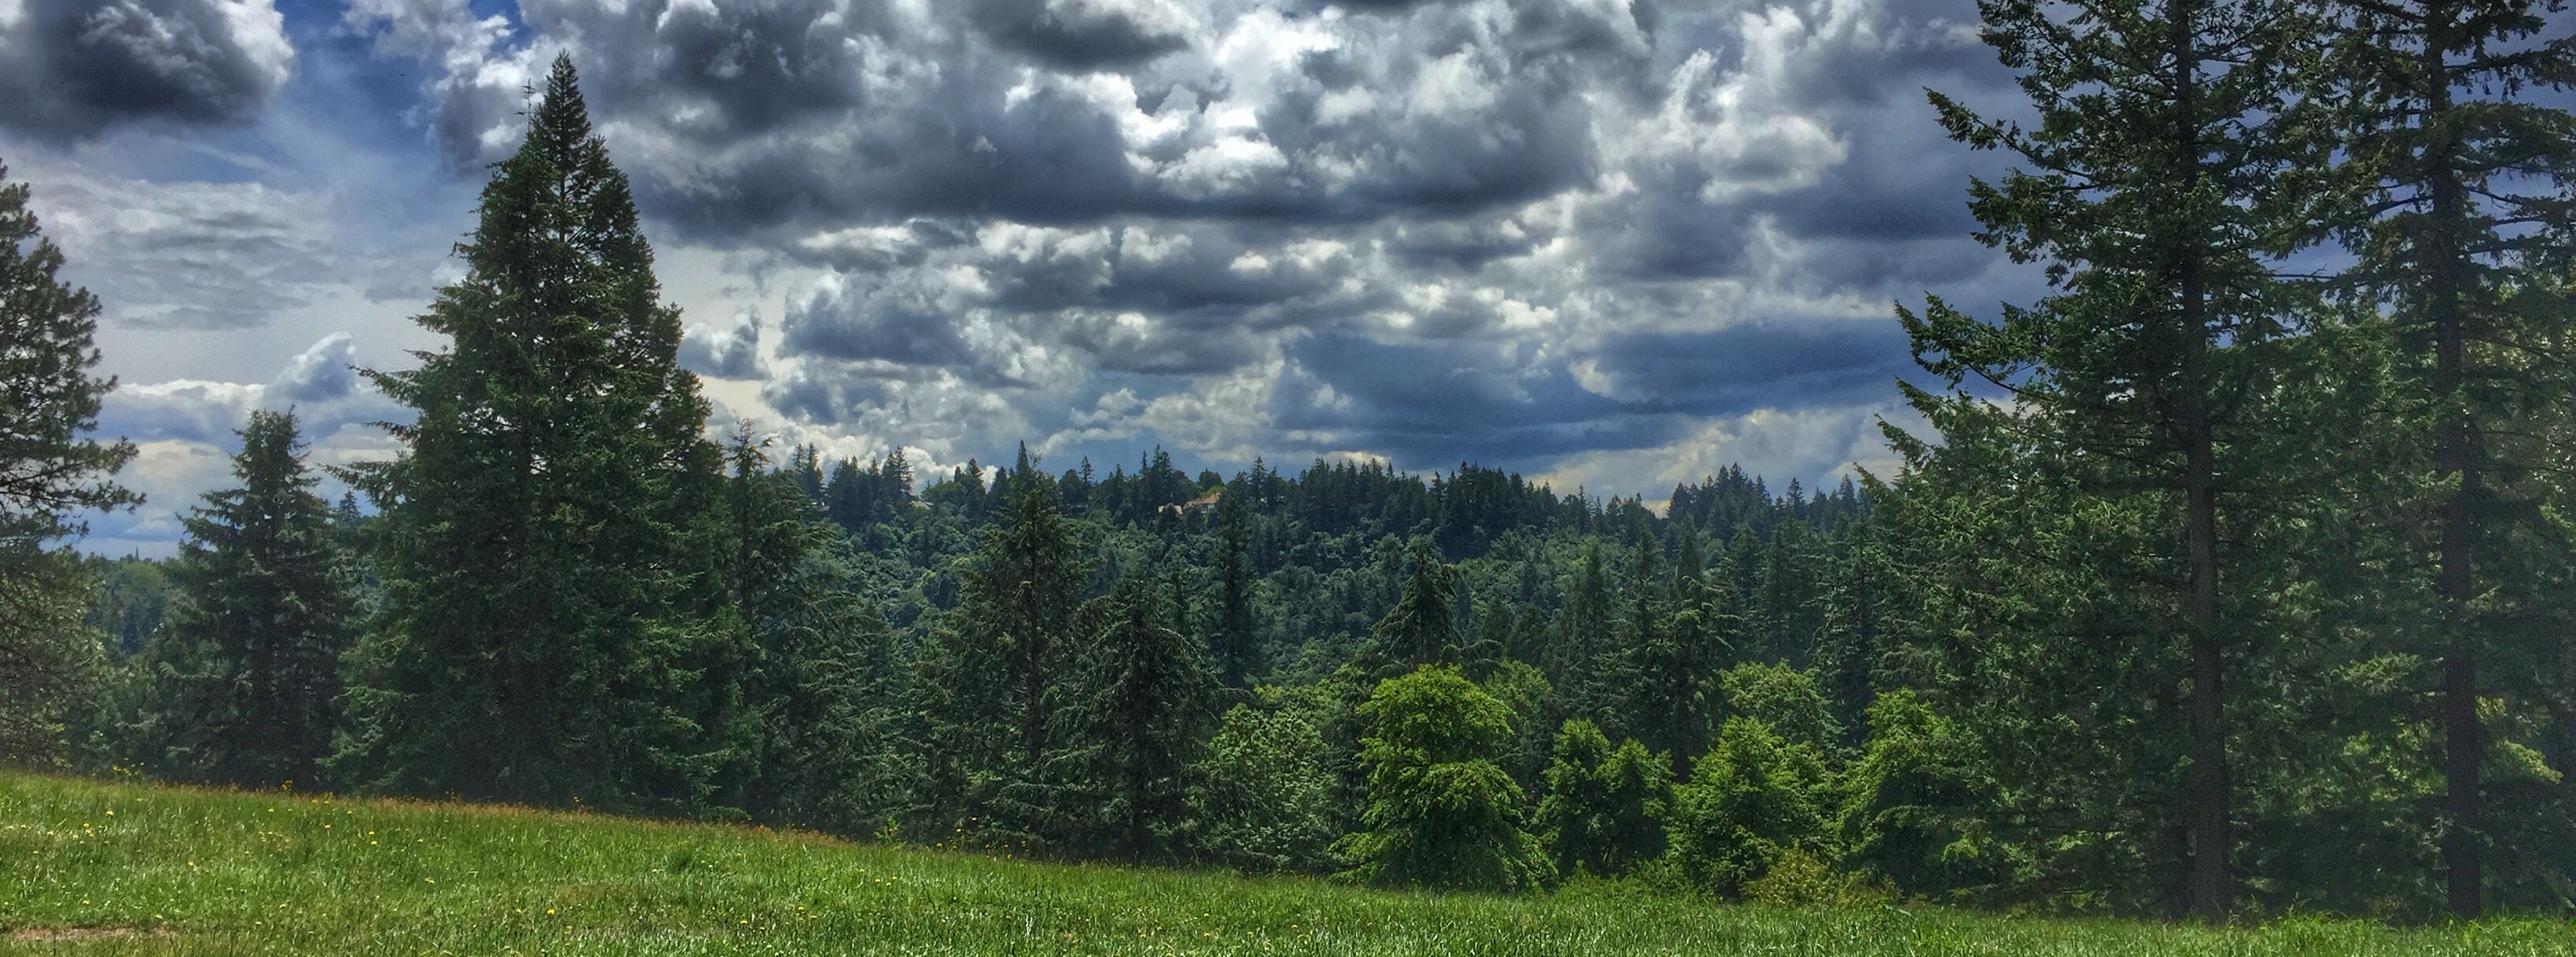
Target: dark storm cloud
{"points": [[71, 69], [1462, 244], [1165, 299], [1220, 272], [1047, 158], [1764, 365], [1654, 235], [1426, 406], [1510, 229], [1421, 403], [873, 324], [724, 71], [1073, 35], [812, 113]]}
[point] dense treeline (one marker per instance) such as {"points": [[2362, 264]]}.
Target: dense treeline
{"points": [[2221, 586]]}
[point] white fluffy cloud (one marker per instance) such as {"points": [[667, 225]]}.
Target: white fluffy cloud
{"points": [[320, 384], [184, 431]]}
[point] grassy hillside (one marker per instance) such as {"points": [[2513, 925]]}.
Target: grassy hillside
{"points": [[99, 868]]}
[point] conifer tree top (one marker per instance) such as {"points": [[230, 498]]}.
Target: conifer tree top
{"points": [[48, 397]]}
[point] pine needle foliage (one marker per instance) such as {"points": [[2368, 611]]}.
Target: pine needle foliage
{"points": [[1441, 813], [547, 592], [49, 473], [242, 686]]}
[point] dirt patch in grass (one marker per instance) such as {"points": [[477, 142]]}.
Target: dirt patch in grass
{"points": [[50, 935]]}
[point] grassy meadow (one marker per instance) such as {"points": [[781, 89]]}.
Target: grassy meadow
{"points": [[89, 867]]}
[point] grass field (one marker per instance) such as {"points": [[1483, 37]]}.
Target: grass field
{"points": [[88, 867]]}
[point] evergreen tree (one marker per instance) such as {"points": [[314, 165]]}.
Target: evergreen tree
{"points": [[2028, 628], [1238, 642], [995, 676], [832, 757], [1752, 800], [2458, 167], [1262, 797], [1604, 808], [134, 596], [1854, 598], [1422, 628], [2156, 197], [1783, 605], [850, 498], [1141, 703], [800, 704], [48, 470], [538, 536], [1641, 630], [1582, 632], [266, 604], [48, 473], [1441, 814], [1676, 703]]}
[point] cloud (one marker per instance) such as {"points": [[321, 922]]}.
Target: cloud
{"points": [[732, 352], [72, 69], [1084, 34], [327, 372], [483, 70], [318, 384], [198, 255], [185, 431], [1578, 235], [1811, 446]]}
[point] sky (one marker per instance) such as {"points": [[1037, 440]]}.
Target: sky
{"points": [[1610, 244]]}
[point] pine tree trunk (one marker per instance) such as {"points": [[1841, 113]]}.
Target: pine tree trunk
{"points": [[2208, 782], [2209, 778], [2455, 453]]}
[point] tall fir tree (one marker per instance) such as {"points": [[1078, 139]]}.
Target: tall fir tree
{"points": [[993, 678], [1676, 704], [799, 703], [2457, 211], [1853, 594], [249, 668], [1237, 644], [1141, 701], [1641, 632], [49, 471], [1422, 628], [2154, 194], [544, 576], [1582, 633]]}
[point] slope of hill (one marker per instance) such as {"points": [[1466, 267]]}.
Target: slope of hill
{"points": [[88, 867]]}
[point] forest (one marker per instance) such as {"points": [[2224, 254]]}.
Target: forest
{"points": [[2233, 578]]}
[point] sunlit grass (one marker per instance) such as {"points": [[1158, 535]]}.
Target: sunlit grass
{"points": [[87, 867]]}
